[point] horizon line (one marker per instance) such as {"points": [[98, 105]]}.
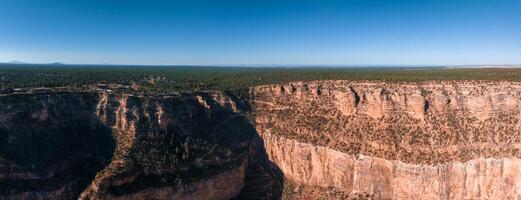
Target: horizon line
{"points": [[261, 65]]}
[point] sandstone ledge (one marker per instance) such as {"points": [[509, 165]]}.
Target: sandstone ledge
{"points": [[360, 175]]}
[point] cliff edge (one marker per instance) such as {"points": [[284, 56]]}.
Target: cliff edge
{"points": [[382, 140]]}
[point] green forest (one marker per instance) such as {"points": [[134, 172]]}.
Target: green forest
{"points": [[197, 78]]}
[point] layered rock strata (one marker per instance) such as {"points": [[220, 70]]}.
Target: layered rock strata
{"points": [[427, 140], [329, 139]]}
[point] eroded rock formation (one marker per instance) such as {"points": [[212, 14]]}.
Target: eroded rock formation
{"points": [[120, 146], [428, 140], [328, 139]]}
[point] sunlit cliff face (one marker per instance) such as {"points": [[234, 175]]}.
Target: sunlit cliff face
{"points": [[429, 140], [301, 140]]}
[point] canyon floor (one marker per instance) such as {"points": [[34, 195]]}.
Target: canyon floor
{"points": [[325, 139]]}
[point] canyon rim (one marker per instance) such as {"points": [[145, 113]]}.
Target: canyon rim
{"points": [[300, 140]]}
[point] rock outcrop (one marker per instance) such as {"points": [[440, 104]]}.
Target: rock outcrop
{"points": [[121, 146], [427, 140]]}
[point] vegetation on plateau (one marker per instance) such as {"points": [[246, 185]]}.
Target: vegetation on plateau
{"points": [[182, 78]]}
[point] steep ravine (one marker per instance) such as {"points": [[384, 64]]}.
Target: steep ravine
{"points": [[120, 146], [428, 140]]}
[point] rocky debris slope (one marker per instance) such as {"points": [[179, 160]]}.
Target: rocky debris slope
{"points": [[378, 140], [119, 146]]}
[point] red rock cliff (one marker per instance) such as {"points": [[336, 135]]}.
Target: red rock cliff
{"points": [[427, 140]]}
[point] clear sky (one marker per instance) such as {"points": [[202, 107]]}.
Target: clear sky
{"points": [[196, 32]]}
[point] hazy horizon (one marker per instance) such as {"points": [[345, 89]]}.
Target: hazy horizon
{"points": [[16, 62]]}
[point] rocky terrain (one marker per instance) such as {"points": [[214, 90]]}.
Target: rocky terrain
{"points": [[118, 146], [427, 140], [301, 140]]}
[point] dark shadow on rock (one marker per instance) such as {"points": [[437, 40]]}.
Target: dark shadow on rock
{"points": [[51, 146], [264, 179], [50, 142], [196, 128]]}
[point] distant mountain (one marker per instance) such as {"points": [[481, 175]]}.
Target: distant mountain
{"points": [[482, 66], [16, 62]]}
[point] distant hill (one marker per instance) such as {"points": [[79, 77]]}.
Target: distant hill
{"points": [[482, 66]]}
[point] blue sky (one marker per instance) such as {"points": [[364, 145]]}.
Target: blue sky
{"points": [[197, 32]]}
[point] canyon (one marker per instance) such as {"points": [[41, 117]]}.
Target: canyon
{"points": [[122, 146], [331, 139]]}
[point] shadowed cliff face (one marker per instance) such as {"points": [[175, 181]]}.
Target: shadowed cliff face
{"points": [[429, 140], [117, 146], [50, 146]]}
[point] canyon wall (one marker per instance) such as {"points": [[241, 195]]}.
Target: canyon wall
{"points": [[50, 146], [377, 140], [121, 146], [328, 139]]}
